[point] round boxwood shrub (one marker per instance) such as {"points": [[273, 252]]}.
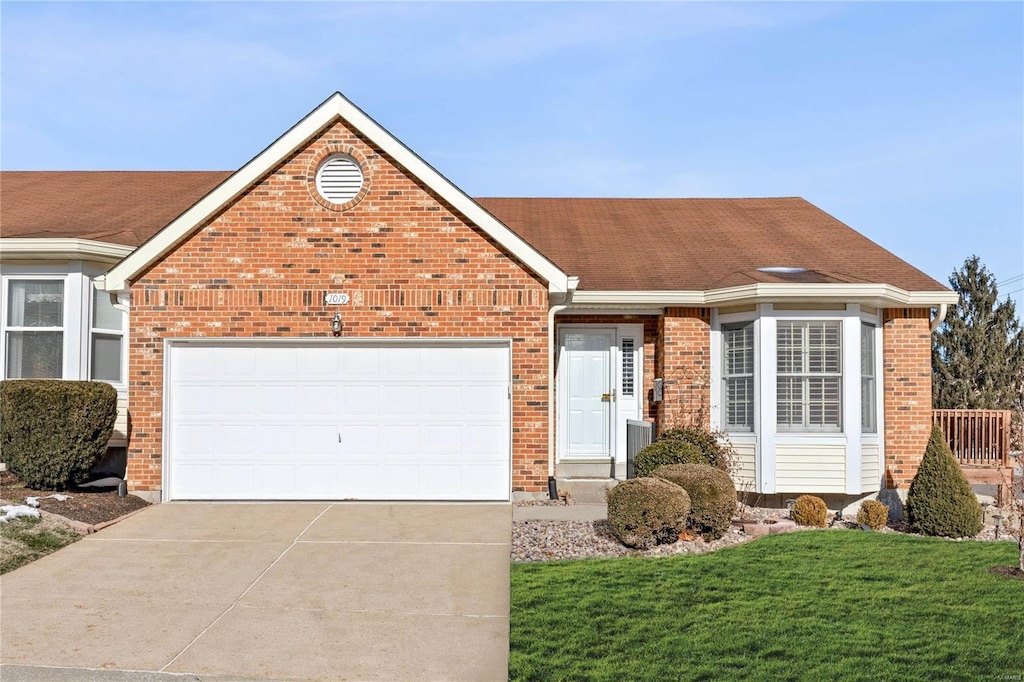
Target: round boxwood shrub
{"points": [[713, 450], [810, 511], [873, 514], [644, 512], [712, 496], [940, 501], [53, 432], [666, 451]]}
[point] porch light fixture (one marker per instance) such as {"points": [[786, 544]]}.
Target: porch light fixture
{"points": [[336, 324], [790, 503]]}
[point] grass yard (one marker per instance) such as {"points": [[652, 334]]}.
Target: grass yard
{"points": [[25, 540], [822, 605]]}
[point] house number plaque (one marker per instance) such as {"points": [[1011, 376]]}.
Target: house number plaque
{"points": [[333, 298]]}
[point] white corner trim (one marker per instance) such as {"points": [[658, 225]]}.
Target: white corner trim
{"points": [[876, 295], [336, 107], [36, 248]]}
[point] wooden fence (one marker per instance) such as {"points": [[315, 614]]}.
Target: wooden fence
{"points": [[978, 438]]}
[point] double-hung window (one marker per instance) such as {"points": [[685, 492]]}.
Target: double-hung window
{"points": [[35, 329], [106, 339], [738, 376], [868, 409], [809, 375]]}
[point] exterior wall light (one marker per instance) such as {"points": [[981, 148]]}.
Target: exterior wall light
{"points": [[336, 324]]}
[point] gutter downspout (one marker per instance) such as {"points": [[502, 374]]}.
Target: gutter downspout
{"points": [[939, 316]]}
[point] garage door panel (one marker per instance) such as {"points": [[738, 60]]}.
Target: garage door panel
{"points": [[488, 400], [360, 399], [235, 400], [315, 400], [339, 422], [235, 362], [317, 440]]}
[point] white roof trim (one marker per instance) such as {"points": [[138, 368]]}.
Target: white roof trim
{"points": [[335, 107], [877, 295], [39, 248]]}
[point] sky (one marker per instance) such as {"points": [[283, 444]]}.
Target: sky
{"points": [[905, 120]]}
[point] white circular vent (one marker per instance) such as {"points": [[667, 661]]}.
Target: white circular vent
{"points": [[339, 179]]}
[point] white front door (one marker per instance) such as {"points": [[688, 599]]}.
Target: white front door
{"points": [[587, 361]]}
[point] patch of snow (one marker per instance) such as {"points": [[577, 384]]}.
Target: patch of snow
{"points": [[8, 512]]}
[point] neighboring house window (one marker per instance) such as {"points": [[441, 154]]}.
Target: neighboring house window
{"points": [[868, 410], [809, 381], [35, 329], [738, 346], [107, 339]]}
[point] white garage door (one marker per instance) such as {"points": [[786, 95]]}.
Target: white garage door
{"points": [[335, 422]]}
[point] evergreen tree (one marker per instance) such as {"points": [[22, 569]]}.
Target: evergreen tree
{"points": [[940, 501], [978, 350]]}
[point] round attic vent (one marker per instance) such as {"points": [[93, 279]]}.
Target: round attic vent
{"points": [[339, 179]]}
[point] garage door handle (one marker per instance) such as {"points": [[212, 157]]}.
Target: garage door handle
{"points": [[339, 437]]}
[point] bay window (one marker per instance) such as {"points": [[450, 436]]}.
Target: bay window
{"points": [[106, 339], [868, 402], [738, 376], [809, 375], [35, 329]]}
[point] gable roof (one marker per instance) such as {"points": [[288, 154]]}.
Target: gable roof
{"points": [[334, 108], [612, 245]]}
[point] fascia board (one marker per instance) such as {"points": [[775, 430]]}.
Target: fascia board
{"points": [[36, 248], [878, 295], [334, 108]]}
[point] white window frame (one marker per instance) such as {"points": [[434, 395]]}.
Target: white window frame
{"points": [[752, 375], [804, 376], [766, 436], [93, 330], [18, 274]]}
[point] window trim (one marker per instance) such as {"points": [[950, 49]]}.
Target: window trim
{"points": [[806, 376], [752, 375], [5, 328], [93, 331]]}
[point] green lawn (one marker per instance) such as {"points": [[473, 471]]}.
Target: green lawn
{"points": [[825, 605]]}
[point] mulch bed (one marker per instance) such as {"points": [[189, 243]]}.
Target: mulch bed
{"points": [[1007, 572], [88, 505]]}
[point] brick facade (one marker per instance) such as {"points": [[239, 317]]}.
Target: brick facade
{"points": [[683, 359], [907, 377], [414, 267]]}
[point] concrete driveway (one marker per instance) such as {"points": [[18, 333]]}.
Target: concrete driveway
{"points": [[273, 590]]}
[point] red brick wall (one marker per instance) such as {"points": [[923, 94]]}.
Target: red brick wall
{"points": [[683, 359], [907, 377], [412, 265]]}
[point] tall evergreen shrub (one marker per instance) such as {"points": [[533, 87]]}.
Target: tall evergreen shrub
{"points": [[940, 501]]}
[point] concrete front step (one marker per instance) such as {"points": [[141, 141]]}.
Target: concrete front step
{"points": [[586, 490]]}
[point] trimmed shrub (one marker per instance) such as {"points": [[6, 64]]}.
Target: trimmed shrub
{"points": [[666, 451], [873, 514], [810, 511], [644, 512], [53, 432], [712, 496], [713, 451], [940, 501]]}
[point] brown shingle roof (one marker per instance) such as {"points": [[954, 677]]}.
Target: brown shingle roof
{"points": [[610, 244], [700, 244], [119, 207]]}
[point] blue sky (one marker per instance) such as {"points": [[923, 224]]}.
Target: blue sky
{"points": [[904, 120]]}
